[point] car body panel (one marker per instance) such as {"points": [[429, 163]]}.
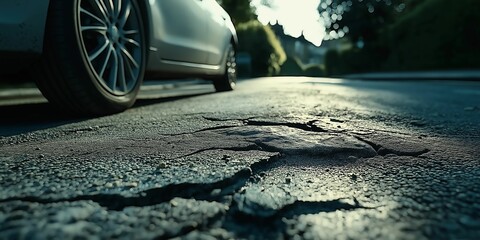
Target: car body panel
{"points": [[176, 46], [22, 27], [217, 40], [181, 49], [173, 32]]}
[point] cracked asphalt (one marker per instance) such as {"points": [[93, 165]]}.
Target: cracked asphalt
{"points": [[279, 158]]}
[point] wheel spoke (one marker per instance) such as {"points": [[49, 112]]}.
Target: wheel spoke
{"points": [[130, 32], [130, 57], [117, 8], [129, 68], [112, 81], [131, 41], [121, 72], [92, 16], [100, 29], [100, 8], [106, 61], [98, 51], [109, 7], [125, 15]]}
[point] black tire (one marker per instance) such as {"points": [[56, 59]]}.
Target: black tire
{"points": [[228, 80], [94, 56]]}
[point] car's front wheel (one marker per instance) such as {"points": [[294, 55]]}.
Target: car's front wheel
{"points": [[94, 55]]}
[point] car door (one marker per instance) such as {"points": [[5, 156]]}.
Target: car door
{"points": [[218, 32], [181, 35]]}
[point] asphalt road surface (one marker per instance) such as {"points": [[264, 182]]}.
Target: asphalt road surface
{"points": [[295, 158]]}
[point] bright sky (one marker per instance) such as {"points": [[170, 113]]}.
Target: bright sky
{"points": [[296, 16]]}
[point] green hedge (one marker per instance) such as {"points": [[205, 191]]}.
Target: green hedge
{"points": [[263, 46], [291, 67], [438, 34], [314, 71], [294, 67], [435, 35]]}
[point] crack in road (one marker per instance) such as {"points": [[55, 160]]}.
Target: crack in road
{"points": [[297, 208], [203, 130], [244, 220], [155, 196], [213, 119], [87, 129], [383, 151], [198, 191], [252, 147], [241, 215], [226, 191], [308, 126]]}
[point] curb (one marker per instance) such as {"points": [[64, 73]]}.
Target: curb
{"points": [[471, 75]]}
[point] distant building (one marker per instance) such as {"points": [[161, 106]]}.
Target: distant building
{"points": [[304, 50]]}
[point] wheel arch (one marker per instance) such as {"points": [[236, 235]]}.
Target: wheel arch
{"points": [[234, 41], [147, 24]]}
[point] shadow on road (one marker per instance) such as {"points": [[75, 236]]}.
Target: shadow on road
{"points": [[152, 101], [26, 118]]}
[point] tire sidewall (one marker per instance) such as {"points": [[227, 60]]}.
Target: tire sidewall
{"points": [[223, 82], [231, 81]]}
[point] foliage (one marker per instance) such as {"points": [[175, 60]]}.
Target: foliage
{"points": [[291, 67], [263, 46], [361, 19], [294, 67], [431, 35], [314, 70], [353, 60], [438, 34], [239, 11]]}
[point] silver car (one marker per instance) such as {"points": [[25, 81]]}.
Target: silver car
{"points": [[91, 56]]}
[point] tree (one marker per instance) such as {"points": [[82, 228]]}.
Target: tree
{"points": [[409, 35], [437, 34], [240, 10], [363, 23], [362, 20], [257, 40], [263, 46]]}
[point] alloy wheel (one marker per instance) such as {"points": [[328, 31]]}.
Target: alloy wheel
{"points": [[111, 40]]}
